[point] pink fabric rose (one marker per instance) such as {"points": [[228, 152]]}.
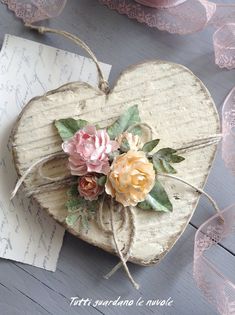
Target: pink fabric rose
{"points": [[88, 187], [89, 151]]}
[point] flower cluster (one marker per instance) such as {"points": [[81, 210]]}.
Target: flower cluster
{"points": [[115, 162], [130, 177]]}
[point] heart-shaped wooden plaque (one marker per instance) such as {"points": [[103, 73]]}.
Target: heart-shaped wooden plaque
{"points": [[170, 99]]}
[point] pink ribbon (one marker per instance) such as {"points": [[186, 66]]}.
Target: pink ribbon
{"points": [[217, 289], [228, 125]]}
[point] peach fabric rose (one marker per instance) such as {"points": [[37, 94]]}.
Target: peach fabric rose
{"points": [[88, 187], [131, 178], [88, 151]]}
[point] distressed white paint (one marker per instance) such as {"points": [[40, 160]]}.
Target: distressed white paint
{"points": [[172, 100]]}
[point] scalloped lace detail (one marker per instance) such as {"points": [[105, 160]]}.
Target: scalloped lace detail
{"points": [[185, 18], [217, 289], [33, 11]]}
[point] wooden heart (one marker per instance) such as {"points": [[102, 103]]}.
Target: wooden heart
{"points": [[170, 99]]}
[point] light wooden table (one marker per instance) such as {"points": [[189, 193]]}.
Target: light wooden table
{"points": [[122, 42]]}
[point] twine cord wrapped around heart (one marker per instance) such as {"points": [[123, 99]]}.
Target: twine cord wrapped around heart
{"points": [[61, 180], [200, 143]]}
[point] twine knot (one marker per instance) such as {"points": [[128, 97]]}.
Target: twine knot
{"points": [[104, 86], [40, 29]]}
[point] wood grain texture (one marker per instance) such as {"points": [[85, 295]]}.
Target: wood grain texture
{"points": [[171, 100], [122, 42]]}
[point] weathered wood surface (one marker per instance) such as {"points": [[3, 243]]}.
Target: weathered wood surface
{"points": [[178, 108], [122, 42], [42, 292]]}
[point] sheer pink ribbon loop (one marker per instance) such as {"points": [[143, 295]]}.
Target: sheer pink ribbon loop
{"points": [[31, 11], [228, 124], [217, 289], [185, 17]]}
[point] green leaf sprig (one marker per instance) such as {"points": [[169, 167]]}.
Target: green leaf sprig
{"points": [[129, 118], [69, 126], [79, 208], [157, 199], [163, 159]]}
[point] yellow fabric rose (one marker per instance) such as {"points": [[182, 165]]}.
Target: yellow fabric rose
{"points": [[131, 178]]}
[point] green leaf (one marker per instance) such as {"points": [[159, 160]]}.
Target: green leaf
{"points": [[168, 167], [128, 118], [73, 191], [74, 205], [157, 199], [71, 219], [113, 154], [136, 130], [79, 208], [149, 146], [85, 222], [166, 152], [177, 159], [102, 180], [125, 146], [163, 158], [92, 207], [68, 127], [162, 166]]}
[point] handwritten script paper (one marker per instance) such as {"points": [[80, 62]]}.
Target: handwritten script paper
{"points": [[29, 69]]}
